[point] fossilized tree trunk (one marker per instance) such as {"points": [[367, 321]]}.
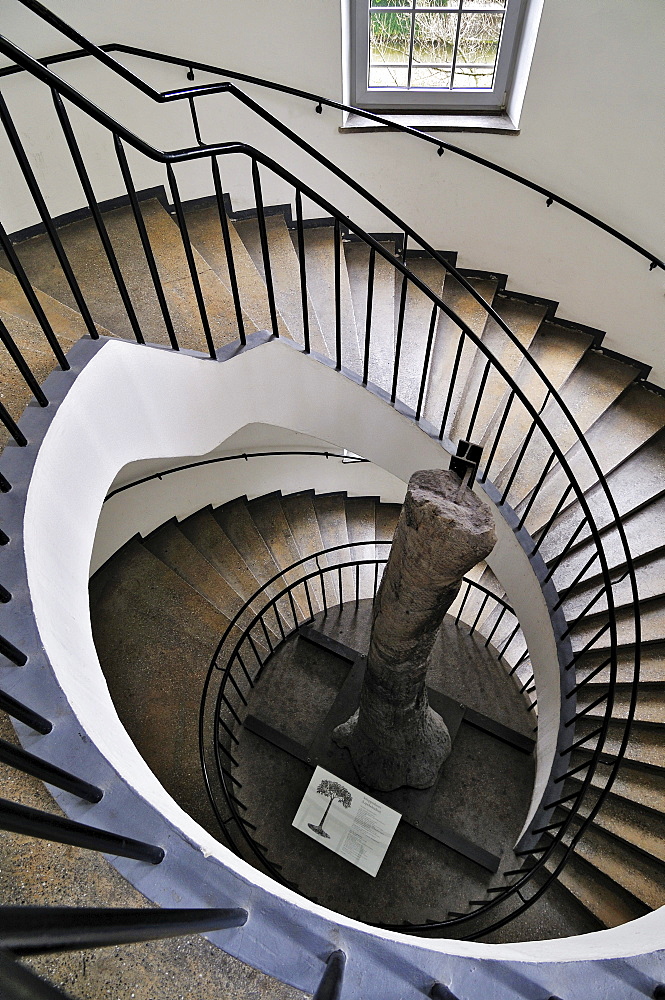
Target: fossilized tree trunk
{"points": [[395, 738]]}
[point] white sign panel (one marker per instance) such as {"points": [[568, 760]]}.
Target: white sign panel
{"points": [[346, 821]]}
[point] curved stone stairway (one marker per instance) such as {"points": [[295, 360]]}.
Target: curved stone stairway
{"points": [[617, 871]]}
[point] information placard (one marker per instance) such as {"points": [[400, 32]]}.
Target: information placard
{"points": [[347, 821]]}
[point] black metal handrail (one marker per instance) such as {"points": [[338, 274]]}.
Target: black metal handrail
{"points": [[573, 493], [101, 53]]}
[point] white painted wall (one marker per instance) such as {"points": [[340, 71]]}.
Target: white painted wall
{"points": [[177, 413], [592, 128]]}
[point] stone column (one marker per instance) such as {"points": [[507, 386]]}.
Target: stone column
{"points": [[395, 738]]}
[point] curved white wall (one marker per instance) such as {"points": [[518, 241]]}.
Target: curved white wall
{"points": [[592, 128]]}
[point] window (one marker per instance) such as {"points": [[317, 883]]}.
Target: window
{"points": [[434, 55]]}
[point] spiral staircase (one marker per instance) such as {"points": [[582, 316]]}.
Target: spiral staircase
{"points": [[573, 439]]}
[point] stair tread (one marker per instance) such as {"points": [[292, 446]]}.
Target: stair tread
{"points": [[646, 744], [319, 248], [652, 665], [66, 323], [416, 323], [633, 871], [205, 232], [446, 342], [646, 789], [524, 319], [634, 419], [382, 333], [285, 270], [206, 534], [605, 901], [269, 518], [594, 385], [649, 577], [627, 821]]}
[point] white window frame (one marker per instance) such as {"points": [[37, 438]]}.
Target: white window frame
{"points": [[396, 99]]}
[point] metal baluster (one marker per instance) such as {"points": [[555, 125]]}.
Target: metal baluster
{"points": [[536, 490], [368, 312], [479, 396], [265, 251], [12, 653], [35, 823], [337, 242], [96, 214], [302, 264], [228, 248], [21, 760], [191, 264], [451, 387], [522, 452], [18, 436], [22, 365], [41, 206], [33, 301], [26, 715], [497, 438], [552, 519], [145, 242], [428, 353], [399, 334], [330, 987]]}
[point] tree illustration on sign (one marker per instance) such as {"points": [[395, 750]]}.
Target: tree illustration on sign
{"points": [[332, 790]]}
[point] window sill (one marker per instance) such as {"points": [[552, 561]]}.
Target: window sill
{"points": [[441, 122]]}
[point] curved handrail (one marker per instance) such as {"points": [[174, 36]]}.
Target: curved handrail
{"points": [[101, 54]]}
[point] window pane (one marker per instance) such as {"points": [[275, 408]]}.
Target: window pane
{"points": [[388, 76], [389, 40], [400, 4], [431, 76], [434, 38], [478, 46], [453, 4], [485, 4]]}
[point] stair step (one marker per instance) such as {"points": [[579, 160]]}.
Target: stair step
{"points": [[645, 788], [605, 900], [175, 550], [652, 666], [594, 385], [382, 333], [650, 704], [331, 514], [446, 343], [635, 484], [415, 325], [524, 319], [360, 526], [269, 517], [556, 351], [285, 270], [320, 258], [652, 614], [628, 822], [646, 744], [635, 418], [637, 874], [145, 616], [14, 391], [649, 576]]}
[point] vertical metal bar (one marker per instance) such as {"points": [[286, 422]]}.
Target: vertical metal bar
{"points": [[562, 555], [496, 625], [477, 618], [555, 514], [22, 365], [464, 599], [455, 50], [195, 121], [18, 436], [244, 670], [267, 635], [255, 652], [479, 396], [40, 204], [96, 214], [522, 452], [428, 353], [451, 387], [265, 251], [35, 823], [21, 760], [338, 295], [228, 248], [191, 263], [145, 242], [536, 490], [302, 263], [339, 584], [323, 591], [497, 438], [376, 578], [12, 652], [33, 301], [293, 609], [368, 312], [399, 335], [330, 987], [24, 714], [5, 485], [309, 599], [357, 583]]}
